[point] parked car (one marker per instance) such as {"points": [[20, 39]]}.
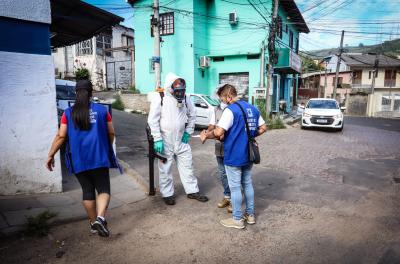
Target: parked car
{"points": [[65, 93], [322, 113], [205, 106]]}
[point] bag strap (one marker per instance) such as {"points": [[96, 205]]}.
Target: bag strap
{"points": [[245, 120]]}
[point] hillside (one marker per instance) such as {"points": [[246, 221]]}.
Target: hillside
{"points": [[391, 48]]}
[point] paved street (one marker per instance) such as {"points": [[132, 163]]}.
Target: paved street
{"points": [[321, 197]]}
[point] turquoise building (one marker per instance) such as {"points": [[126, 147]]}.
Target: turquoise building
{"points": [[209, 42]]}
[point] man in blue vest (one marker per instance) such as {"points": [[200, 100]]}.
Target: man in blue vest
{"points": [[232, 127]]}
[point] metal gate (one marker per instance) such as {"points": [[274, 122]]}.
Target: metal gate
{"points": [[239, 80], [119, 74]]}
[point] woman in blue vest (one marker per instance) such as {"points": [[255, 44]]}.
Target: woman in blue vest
{"points": [[87, 129]]}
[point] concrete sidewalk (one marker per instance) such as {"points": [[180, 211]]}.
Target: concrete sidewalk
{"points": [[14, 210]]}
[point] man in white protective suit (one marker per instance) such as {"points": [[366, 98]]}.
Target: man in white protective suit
{"points": [[171, 119]]}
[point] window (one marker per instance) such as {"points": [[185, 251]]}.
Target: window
{"points": [[126, 40], [84, 48], [340, 81], [390, 78], [396, 102], [357, 76], [286, 28], [197, 101], [291, 39], [253, 56], [279, 27], [166, 24], [103, 41], [297, 46], [370, 74], [386, 103], [216, 59]]}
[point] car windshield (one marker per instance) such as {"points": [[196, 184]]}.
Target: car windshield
{"points": [[211, 101], [322, 104], [65, 92]]}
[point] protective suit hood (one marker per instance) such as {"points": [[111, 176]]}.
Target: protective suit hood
{"points": [[169, 80]]}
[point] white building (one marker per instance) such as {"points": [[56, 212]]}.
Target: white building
{"points": [[109, 57], [28, 112]]}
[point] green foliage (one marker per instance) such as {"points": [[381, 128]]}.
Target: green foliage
{"points": [[118, 104], [390, 48], [275, 123], [309, 65], [38, 225], [261, 105], [82, 74], [134, 90]]}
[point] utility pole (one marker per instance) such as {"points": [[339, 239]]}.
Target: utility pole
{"points": [[326, 78], [374, 72], [262, 69], [338, 65], [156, 33], [271, 54]]}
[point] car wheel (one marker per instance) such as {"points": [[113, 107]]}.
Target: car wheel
{"points": [[339, 129]]}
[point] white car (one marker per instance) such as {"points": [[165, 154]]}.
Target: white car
{"points": [[322, 113], [205, 105], [65, 93]]}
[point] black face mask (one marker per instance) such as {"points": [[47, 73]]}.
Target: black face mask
{"points": [[179, 93]]}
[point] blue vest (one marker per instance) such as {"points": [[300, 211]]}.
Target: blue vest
{"points": [[236, 142], [89, 149]]}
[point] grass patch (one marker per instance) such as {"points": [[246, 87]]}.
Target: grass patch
{"points": [[118, 104], [275, 123], [133, 89], [38, 225]]}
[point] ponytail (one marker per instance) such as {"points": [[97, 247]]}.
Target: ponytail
{"points": [[81, 108]]}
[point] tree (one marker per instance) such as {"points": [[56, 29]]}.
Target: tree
{"points": [[82, 74], [309, 65]]}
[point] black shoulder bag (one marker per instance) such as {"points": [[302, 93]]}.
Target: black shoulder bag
{"points": [[254, 152]]}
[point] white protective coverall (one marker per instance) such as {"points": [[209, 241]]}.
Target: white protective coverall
{"points": [[167, 122]]}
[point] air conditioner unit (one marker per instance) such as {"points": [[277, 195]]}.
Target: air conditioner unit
{"points": [[204, 62], [233, 18]]}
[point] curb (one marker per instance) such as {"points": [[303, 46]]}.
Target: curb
{"points": [[140, 180]]}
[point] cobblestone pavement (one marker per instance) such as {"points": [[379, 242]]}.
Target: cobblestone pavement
{"points": [[321, 197]]}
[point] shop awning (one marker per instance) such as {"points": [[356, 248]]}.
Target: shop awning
{"points": [[73, 21]]}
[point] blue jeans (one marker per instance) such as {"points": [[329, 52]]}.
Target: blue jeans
{"points": [[240, 177], [222, 176]]}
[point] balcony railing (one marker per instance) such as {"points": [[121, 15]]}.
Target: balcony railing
{"points": [[363, 88]]}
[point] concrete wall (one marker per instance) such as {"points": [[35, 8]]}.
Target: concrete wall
{"points": [[136, 102], [28, 114]]}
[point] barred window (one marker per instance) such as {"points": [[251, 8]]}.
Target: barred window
{"points": [[84, 48], [103, 41], [166, 24]]}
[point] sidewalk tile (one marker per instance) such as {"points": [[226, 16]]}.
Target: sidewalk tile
{"points": [[130, 197], [16, 204], [114, 203], [56, 200]]}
